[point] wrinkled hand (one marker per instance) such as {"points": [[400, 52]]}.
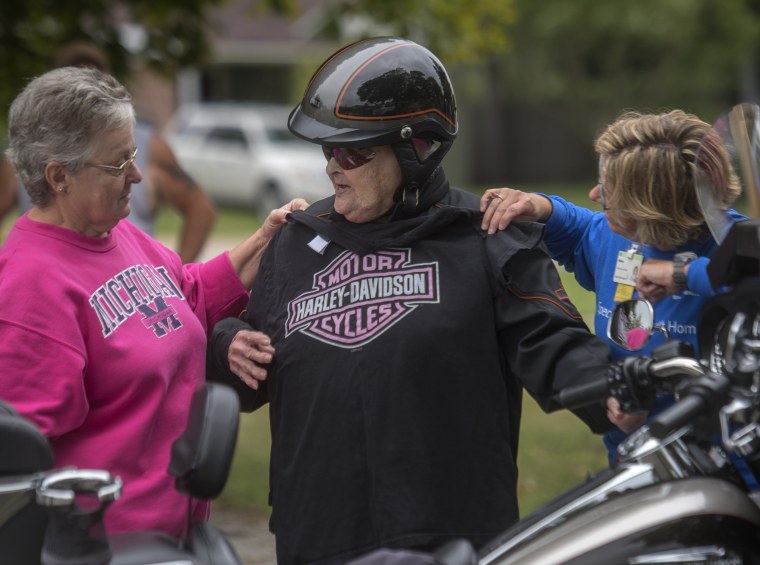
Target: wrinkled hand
{"points": [[623, 420], [248, 351], [655, 280], [500, 206], [276, 217]]}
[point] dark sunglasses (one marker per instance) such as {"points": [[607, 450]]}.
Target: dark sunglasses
{"points": [[352, 157], [349, 157]]}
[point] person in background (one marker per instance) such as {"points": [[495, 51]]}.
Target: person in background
{"points": [[164, 182], [8, 188], [650, 211], [403, 335], [103, 330]]}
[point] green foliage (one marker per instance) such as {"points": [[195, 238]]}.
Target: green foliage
{"points": [[647, 54], [32, 30], [557, 451], [248, 486], [456, 30], [232, 222], [593, 56], [287, 8]]}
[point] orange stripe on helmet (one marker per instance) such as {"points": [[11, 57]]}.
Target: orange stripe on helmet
{"points": [[382, 118]]}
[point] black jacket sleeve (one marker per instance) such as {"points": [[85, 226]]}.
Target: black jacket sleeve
{"points": [[218, 369], [546, 344]]}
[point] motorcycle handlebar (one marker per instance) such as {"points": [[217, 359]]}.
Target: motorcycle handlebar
{"points": [[677, 416], [700, 397], [677, 366], [639, 369], [582, 395]]}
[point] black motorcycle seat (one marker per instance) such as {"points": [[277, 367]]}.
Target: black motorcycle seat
{"points": [[23, 448]]}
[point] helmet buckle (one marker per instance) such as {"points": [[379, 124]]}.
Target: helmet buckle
{"points": [[410, 198]]}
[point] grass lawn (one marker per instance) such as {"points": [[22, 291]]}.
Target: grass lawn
{"points": [[556, 450]]}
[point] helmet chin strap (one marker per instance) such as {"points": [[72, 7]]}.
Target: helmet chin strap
{"points": [[410, 199], [413, 196]]}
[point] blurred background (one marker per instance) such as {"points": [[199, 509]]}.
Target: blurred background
{"points": [[535, 81]]}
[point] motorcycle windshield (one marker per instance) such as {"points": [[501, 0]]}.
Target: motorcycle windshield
{"points": [[733, 138]]}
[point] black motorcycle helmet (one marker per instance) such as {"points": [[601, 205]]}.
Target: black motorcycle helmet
{"points": [[383, 91]]}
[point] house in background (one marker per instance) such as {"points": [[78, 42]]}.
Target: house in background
{"points": [[256, 56]]}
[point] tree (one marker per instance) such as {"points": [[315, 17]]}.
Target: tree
{"points": [[575, 65], [553, 72], [170, 34], [617, 54], [456, 30]]}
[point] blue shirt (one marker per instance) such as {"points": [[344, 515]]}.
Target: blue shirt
{"points": [[583, 243]]}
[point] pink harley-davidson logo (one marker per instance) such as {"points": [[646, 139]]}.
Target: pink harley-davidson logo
{"points": [[356, 298]]}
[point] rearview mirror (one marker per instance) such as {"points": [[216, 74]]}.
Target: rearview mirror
{"points": [[631, 324]]}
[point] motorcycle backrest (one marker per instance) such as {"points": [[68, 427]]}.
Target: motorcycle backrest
{"points": [[202, 456], [23, 448], [23, 452]]}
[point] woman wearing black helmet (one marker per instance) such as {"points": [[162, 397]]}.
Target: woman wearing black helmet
{"points": [[403, 334], [386, 92]]}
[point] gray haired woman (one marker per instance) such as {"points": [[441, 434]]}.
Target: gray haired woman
{"points": [[103, 329]]}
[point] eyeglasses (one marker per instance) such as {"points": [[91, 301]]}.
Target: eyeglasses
{"points": [[349, 157], [600, 184], [116, 170], [601, 196]]}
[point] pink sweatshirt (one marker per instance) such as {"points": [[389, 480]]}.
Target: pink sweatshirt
{"points": [[102, 344]]}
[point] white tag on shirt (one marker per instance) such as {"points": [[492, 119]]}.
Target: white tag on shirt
{"points": [[627, 267], [319, 244]]}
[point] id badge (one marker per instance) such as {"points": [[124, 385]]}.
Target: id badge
{"points": [[627, 267], [623, 292]]}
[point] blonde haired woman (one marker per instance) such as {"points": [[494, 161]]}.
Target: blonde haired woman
{"points": [[650, 211]]}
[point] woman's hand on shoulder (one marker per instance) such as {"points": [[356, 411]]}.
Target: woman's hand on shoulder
{"points": [[276, 217], [501, 206], [246, 256]]}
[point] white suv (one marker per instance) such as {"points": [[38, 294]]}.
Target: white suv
{"points": [[244, 155]]}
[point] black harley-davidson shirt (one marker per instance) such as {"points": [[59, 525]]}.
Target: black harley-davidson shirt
{"points": [[402, 350]]}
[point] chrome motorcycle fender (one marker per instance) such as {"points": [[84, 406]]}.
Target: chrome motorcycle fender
{"points": [[643, 523]]}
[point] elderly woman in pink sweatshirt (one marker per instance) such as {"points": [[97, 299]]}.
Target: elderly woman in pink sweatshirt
{"points": [[102, 329]]}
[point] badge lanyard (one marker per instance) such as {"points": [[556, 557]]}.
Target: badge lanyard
{"points": [[626, 269]]}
